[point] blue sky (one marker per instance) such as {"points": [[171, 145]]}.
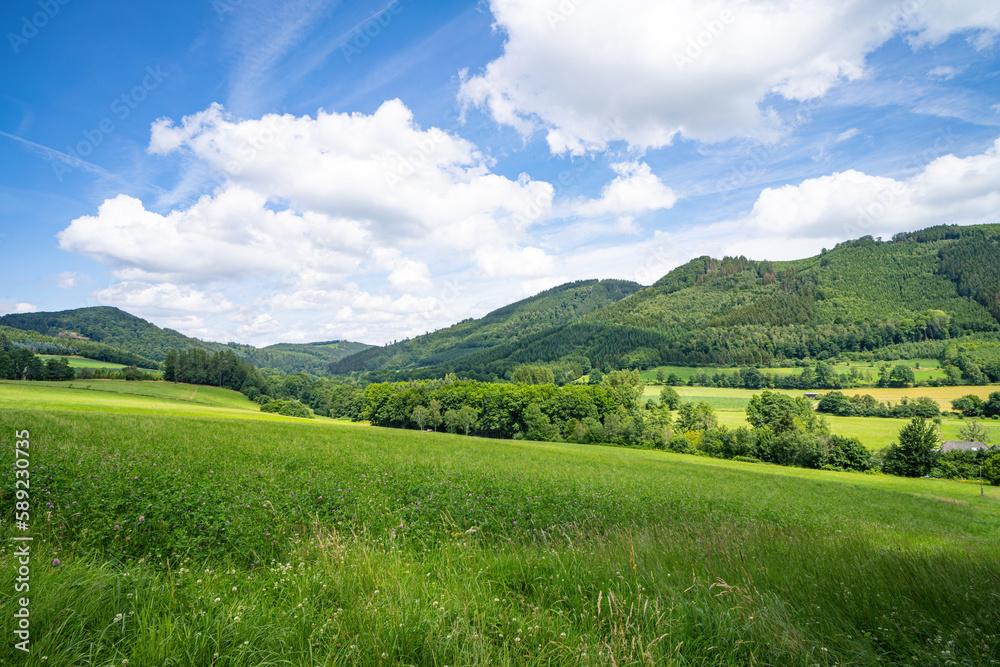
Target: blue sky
{"points": [[264, 171]]}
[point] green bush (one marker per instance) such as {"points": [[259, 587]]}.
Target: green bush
{"points": [[991, 468], [287, 408]]}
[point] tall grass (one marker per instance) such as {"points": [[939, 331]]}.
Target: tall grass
{"points": [[299, 544]]}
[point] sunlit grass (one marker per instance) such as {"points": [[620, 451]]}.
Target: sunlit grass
{"points": [[127, 397], [872, 431], [83, 362], [337, 544], [923, 369]]}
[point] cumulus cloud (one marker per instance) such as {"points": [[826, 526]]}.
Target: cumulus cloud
{"points": [[310, 204], [25, 307], [163, 298], [698, 68], [851, 203], [635, 190], [262, 323], [230, 235], [398, 181], [505, 262], [405, 274]]}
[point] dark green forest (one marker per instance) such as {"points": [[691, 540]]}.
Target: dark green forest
{"points": [[41, 344], [505, 328], [107, 325], [19, 361], [108, 334]]}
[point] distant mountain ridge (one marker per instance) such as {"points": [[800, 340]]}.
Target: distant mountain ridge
{"points": [[108, 325], [501, 328], [918, 291], [919, 288], [103, 329]]}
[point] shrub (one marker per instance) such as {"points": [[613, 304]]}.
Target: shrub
{"points": [[287, 408], [991, 468]]}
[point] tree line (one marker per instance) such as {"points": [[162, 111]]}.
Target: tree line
{"points": [[18, 362]]}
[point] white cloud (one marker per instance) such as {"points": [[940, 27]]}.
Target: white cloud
{"points": [[24, 307], [313, 198], [186, 322], [67, 279], [642, 71], [399, 182], [230, 235], [635, 190], [943, 72], [405, 274], [506, 262], [846, 134], [306, 207], [163, 298], [262, 323], [626, 225], [851, 203]]}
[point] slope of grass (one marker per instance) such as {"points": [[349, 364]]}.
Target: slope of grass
{"points": [[874, 432], [255, 542], [923, 369], [725, 398], [83, 362], [124, 396]]}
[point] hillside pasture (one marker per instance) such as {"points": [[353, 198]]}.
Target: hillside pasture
{"points": [[233, 538], [725, 398], [874, 432], [923, 369], [83, 362], [124, 397]]}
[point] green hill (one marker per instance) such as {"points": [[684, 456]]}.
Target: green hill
{"points": [[106, 333], [911, 293], [933, 293], [63, 346], [312, 358], [501, 328], [110, 326]]}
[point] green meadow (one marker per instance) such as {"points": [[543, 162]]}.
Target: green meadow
{"points": [[923, 369], [730, 406], [192, 530], [119, 396], [83, 362]]}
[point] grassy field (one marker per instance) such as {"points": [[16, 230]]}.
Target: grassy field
{"points": [[82, 362], [125, 397], [874, 432], [228, 537], [730, 406], [923, 369], [724, 398]]}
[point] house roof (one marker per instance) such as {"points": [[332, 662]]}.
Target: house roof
{"points": [[964, 445]]}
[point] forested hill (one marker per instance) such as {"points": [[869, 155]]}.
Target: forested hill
{"points": [[110, 334], [920, 288], [501, 328], [312, 358], [110, 326]]}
